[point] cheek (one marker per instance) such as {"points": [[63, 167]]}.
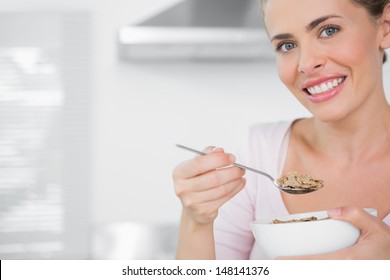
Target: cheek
{"points": [[358, 50], [287, 71], [349, 55], [358, 60]]}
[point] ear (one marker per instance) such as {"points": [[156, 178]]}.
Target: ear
{"points": [[385, 22]]}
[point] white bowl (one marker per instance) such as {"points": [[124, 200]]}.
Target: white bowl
{"points": [[304, 238]]}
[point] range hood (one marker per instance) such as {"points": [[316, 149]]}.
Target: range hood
{"points": [[198, 30]]}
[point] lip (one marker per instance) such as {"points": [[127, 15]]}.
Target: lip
{"points": [[325, 96]]}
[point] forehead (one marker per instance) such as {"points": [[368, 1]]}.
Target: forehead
{"points": [[280, 15]]}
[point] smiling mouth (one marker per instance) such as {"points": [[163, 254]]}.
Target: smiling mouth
{"points": [[324, 87]]}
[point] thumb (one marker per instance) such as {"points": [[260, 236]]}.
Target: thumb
{"points": [[212, 149], [359, 217]]}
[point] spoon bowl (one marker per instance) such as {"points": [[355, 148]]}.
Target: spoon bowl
{"points": [[287, 189]]}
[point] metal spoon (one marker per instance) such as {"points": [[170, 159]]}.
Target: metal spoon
{"points": [[290, 190]]}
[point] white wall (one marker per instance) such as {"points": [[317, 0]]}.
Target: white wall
{"points": [[21, 5], [141, 110]]}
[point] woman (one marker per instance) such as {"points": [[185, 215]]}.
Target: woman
{"points": [[330, 58]]}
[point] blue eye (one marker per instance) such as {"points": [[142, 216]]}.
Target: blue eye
{"points": [[285, 47], [329, 31]]}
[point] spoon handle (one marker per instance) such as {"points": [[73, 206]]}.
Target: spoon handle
{"points": [[235, 164], [190, 149], [255, 170]]}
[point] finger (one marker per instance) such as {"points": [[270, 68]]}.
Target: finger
{"points": [[355, 215], [214, 179], [209, 186], [212, 149], [208, 211], [202, 164], [216, 204], [216, 193]]}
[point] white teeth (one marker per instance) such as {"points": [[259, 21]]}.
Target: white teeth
{"points": [[325, 86]]}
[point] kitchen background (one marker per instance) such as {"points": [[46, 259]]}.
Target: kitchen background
{"points": [[87, 133]]}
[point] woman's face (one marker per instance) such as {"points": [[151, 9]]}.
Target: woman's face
{"points": [[328, 54]]}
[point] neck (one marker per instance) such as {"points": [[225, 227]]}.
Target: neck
{"points": [[354, 138]]}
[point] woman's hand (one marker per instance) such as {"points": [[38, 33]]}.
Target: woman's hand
{"points": [[206, 182], [374, 241]]}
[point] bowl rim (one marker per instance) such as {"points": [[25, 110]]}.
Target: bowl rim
{"points": [[319, 214]]}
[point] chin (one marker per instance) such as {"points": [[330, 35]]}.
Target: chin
{"points": [[330, 115]]}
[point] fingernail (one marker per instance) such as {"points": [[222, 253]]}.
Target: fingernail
{"points": [[217, 149], [334, 212], [232, 158]]}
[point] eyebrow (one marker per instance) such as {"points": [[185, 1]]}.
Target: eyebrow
{"points": [[318, 21], [308, 28]]}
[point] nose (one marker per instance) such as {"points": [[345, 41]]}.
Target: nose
{"points": [[310, 60]]}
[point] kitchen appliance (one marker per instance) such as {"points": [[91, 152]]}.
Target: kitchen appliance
{"points": [[199, 30]]}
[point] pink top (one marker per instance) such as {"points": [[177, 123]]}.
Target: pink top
{"points": [[264, 148]]}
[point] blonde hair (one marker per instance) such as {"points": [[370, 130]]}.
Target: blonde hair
{"points": [[374, 8]]}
